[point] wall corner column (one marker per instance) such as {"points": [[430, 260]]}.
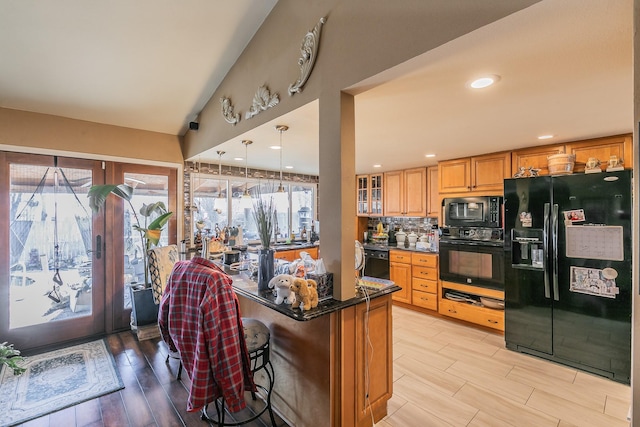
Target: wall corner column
{"points": [[337, 207]]}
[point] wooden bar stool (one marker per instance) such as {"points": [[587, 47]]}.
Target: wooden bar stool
{"points": [[257, 336]]}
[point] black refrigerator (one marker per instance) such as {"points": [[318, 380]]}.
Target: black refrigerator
{"points": [[568, 266]]}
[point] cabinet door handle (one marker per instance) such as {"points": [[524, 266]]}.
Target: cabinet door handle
{"points": [[492, 321], [452, 311]]}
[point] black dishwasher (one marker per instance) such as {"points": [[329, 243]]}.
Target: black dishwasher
{"points": [[376, 262]]}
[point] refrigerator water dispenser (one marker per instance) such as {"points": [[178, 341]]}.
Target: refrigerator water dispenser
{"points": [[527, 249]]}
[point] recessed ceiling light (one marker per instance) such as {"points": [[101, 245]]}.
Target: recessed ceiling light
{"points": [[429, 155], [275, 147], [377, 166], [288, 167], [545, 137], [238, 158], [484, 81]]}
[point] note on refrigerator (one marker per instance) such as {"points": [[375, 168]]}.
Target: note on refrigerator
{"points": [[595, 242]]}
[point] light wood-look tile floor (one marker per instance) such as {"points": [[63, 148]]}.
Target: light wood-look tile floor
{"points": [[446, 373]]}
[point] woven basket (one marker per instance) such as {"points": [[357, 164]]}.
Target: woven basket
{"points": [[561, 164]]}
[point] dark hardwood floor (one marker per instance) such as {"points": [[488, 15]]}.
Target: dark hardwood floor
{"points": [[152, 395]]}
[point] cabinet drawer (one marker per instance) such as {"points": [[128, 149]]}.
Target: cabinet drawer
{"points": [[478, 315], [425, 300], [286, 255], [424, 272], [425, 260], [400, 256], [429, 286]]}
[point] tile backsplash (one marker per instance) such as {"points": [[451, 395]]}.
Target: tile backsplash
{"points": [[418, 225]]}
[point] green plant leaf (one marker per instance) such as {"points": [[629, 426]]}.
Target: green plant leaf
{"points": [[160, 221], [98, 194], [150, 209]]}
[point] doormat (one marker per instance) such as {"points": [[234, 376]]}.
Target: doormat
{"points": [[57, 380]]}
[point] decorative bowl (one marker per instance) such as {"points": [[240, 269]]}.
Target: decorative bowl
{"points": [[492, 303], [561, 164]]}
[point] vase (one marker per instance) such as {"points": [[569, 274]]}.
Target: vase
{"points": [[265, 268]]}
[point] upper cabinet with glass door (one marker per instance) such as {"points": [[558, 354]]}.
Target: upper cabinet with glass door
{"points": [[369, 195]]}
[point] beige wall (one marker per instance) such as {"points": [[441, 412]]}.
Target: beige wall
{"points": [[360, 39], [42, 133]]}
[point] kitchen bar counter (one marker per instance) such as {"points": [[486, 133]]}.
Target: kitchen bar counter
{"points": [[249, 289], [327, 353]]}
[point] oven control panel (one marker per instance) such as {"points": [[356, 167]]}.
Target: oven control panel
{"points": [[473, 233]]}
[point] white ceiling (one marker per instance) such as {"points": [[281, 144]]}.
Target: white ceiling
{"points": [[565, 66]]}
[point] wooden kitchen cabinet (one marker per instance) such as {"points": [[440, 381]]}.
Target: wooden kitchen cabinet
{"points": [[534, 157], [488, 317], [400, 274], [424, 280], [369, 193], [405, 192], [433, 195], [474, 174], [294, 254], [620, 146], [373, 375]]}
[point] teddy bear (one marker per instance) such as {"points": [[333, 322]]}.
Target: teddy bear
{"points": [[306, 292], [283, 283]]}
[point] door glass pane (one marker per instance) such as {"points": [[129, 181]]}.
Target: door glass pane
{"points": [[50, 244], [148, 189]]}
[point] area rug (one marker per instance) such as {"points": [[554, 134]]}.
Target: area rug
{"points": [[57, 380]]}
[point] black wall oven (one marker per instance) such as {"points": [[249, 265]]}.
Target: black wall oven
{"points": [[376, 262], [473, 257]]}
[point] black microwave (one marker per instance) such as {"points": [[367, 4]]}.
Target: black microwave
{"points": [[477, 211]]}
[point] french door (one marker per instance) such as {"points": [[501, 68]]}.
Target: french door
{"points": [[124, 249], [52, 287]]}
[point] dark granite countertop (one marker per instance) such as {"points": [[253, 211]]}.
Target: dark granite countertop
{"points": [[293, 246], [247, 288], [394, 247]]}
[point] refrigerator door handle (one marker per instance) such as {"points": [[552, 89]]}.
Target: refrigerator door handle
{"points": [[545, 247], [554, 219]]}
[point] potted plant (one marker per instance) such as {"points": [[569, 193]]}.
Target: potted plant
{"points": [[264, 212], [155, 217], [10, 357]]}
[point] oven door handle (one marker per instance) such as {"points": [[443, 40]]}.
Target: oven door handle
{"points": [[497, 244]]}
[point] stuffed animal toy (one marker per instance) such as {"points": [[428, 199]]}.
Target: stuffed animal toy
{"points": [[283, 283], [306, 292]]}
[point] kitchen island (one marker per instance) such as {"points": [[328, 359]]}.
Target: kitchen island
{"points": [[329, 370]]}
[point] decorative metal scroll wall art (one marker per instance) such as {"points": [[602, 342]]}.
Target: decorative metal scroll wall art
{"points": [[227, 111], [308, 54], [262, 101]]}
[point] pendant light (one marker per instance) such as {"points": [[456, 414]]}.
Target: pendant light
{"points": [[246, 197], [281, 128], [220, 203]]}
